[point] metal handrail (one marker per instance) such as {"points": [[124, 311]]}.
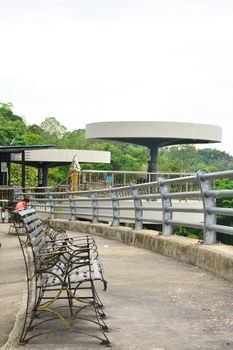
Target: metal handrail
{"points": [[156, 198]]}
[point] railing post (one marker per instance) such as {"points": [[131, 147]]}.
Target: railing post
{"points": [[72, 206], [20, 194], [52, 208], [167, 204], [95, 209], [137, 208], [208, 203], [124, 181], [30, 199], [115, 208]]}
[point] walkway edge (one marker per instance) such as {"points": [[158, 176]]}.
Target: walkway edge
{"points": [[217, 258], [15, 333]]}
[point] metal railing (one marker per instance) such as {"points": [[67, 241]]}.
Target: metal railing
{"points": [[154, 203], [100, 179]]}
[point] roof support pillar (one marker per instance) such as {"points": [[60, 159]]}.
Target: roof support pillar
{"points": [[23, 169], [43, 175], [152, 166]]}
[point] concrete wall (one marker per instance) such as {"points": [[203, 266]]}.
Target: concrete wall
{"points": [[217, 258]]}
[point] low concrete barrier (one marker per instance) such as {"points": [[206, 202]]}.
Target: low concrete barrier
{"points": [[217, 258]]}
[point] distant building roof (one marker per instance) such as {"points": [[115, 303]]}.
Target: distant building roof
{"points": [[16, 149], [55, 157]]}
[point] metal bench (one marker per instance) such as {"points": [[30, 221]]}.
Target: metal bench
{"points": [[62, 274]]}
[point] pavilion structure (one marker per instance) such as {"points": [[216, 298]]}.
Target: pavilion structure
{"points": [[43, 157], [6, 153], [154, 134]]}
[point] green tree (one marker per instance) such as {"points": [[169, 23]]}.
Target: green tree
{"points": [[12, 128], [7, 113], [52, 126]]}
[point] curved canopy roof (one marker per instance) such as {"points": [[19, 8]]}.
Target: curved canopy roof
{"points": [[56, 157], [156, 133]]}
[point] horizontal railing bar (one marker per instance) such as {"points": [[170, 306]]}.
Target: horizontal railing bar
{"points": [[48, 199], [37, 193], [185, 224], [140, 172], [154, 185], [184, 210], [125, 198], [58, 193], [195, 194], [35, 199], [79, 192], [149, 196], [219, 193], [60, 199], [83, 207], [125, 207], [84, 214], [103, 207], [112, 189], [221, 228], [217, 175], [81, 199], [220, 211], [104, 199], [61, 206], [179, 180], [150, 208], [157, 221]]}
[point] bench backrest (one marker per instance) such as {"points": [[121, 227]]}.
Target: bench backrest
{"points": [[33, 227]]}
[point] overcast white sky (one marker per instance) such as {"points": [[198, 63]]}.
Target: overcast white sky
{"points": [[84, 61]]}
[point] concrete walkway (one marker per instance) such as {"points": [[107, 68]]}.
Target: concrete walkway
{"points": [[152, 302]]}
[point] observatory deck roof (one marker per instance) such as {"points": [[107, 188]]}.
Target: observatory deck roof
{"points": [[158, 133]]}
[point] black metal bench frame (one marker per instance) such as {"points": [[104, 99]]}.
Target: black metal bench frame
{"points": [[61, 280]]}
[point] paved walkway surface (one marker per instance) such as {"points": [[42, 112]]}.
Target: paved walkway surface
{"points": [[152, 302]]}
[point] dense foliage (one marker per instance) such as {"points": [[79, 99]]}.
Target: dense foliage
{"points": [[224, 184], [184, 158]]}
